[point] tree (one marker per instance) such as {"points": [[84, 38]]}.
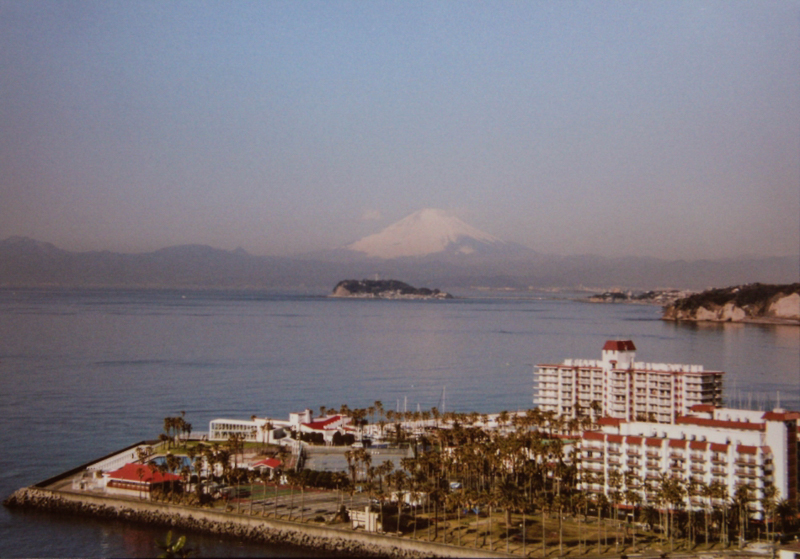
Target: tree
{"points": [[615, 484], [508, 497], [741, 500], [399, 479], [172, 463], [768, 503], [786, 511]]}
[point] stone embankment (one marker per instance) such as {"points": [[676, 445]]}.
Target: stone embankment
{"points": [[253, 528]]}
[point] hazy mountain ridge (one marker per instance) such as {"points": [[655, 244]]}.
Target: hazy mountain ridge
{"points": [[30, 263]]}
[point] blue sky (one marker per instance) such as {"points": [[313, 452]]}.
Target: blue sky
{"points": [[664, 129]]}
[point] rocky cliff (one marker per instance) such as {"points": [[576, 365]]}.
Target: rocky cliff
{"points": [[385, 289], [754, 302]]}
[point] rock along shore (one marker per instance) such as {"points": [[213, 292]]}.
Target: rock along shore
{"points": [[253, 528]]}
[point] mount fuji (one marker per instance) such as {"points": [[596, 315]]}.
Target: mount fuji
{"points": [[429, 233]]}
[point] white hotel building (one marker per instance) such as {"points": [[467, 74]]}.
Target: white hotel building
{"points": [[625, 388], [730, 446]]}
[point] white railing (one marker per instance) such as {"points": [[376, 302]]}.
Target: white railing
{"points": [[118, 460]]}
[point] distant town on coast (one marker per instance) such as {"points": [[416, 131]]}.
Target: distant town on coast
{"points": [[616, 457]]}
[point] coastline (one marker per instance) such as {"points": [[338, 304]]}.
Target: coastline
{"points": [[347, 542], [764, 321]]}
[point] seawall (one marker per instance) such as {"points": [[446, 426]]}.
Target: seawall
{"points": [[254, 528]]}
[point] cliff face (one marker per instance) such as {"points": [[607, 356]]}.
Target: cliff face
{"points": [[745, 303], [385, 289]]}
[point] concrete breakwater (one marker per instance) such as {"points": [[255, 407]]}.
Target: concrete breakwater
{"points": [[253, 528]]}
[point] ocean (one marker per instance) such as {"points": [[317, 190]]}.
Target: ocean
{"points": [[86, 372]]}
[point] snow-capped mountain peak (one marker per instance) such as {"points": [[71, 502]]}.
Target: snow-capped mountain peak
{"points": [[427, 231]]}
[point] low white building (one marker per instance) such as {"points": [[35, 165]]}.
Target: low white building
{"points": [[266, 430], [624, 388]]}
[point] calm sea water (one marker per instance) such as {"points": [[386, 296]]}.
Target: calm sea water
{"points": [[83, 373]]}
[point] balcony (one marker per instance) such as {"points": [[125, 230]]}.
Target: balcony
{"points": [[698, 469], [653, 454], [719, 471]]}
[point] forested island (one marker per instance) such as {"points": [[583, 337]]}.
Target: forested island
{"points": [[755, 302], [385, 289]]}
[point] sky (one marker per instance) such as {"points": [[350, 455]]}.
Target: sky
{"points": [[663, 129]]}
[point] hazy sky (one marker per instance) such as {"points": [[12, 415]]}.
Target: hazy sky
{"points": [[667, 129]]}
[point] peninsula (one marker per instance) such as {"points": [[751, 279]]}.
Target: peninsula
{"points": [[755, 302], [385, 289]]}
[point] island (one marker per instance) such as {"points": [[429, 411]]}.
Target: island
{"points": [[385, 289], [755, 303]]}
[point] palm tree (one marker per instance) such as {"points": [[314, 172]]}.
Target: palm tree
{"points": [[673, 493], [601, 502], [768, 502], [399, 478], [302, 481], [291, 478], [141, 473], [719, 492], [172, 464], [741, 500], [786, 511], [198, 467], [278, 473], [186, 474], [542, 502], [508, 497], [266, 430], [634, 499], [615, 484]]}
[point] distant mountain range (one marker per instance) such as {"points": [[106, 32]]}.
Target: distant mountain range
{"points": [[429, 247]]}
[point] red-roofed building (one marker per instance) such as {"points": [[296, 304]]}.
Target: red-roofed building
{"points": [[624, 388], [136, 480], [727, 446], [270, 463], [328, 427], [619, 345]]}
